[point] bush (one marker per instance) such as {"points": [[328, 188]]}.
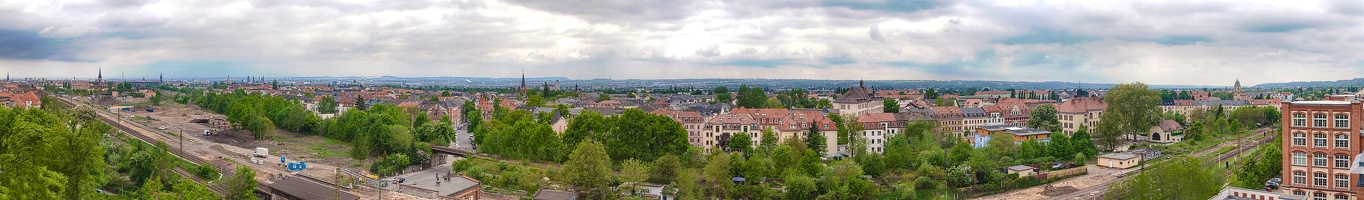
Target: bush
{"points": [[923, 182]]}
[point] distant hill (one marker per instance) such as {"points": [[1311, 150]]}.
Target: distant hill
{"points": [[1350, 82]]}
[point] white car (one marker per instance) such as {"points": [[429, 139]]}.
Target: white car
{"points": [[162, 127]]}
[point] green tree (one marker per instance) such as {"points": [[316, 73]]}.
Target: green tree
{"points": [[328, 105], [872, 164], [768, 139], [535, 101], [1133, 108], [718, 174], [890, 105], [588, 170], [242, 185], [588, 125], [1080, 142], [722, 94], [1194, 178], [632, 170], [1044, 117], [641, 135], [666, 169], [815, 140], [740, 142], [1060, 146], [800, 187]]}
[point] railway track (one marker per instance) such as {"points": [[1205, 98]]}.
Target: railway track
{"points": [[139, 134]]}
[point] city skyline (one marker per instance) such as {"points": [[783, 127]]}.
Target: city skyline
{"points": [[1171, 43]]}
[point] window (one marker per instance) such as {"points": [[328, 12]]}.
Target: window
{"points": [[1299, 119], [1342, 161], [1342, 121], [1342, 197], [1319, 120], [1299, 158], [1342, 181], [1319, 179], [1318, 196], [1319, 159], [1299, 193], [1300, 178], [1342, 141], [1319, 140], [1299, 139]]}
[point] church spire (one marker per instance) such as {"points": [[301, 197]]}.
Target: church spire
{"points": [[99, 78]]}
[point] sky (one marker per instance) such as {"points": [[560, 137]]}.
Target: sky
{"points": [[1110, 41]]}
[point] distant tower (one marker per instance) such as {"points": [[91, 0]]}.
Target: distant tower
{"points": [[161, 78], [523, 83], [1237, 88], [229, 79], [99, 78]]}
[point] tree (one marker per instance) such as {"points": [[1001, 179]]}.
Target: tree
{"points": [[666, 169], [535, 101], [890, 105], [1194, 178], [899, 154], [800, 187], [641, 135], [589, 125], [740, 142], [1081, 143], [328, 105], [603, 97], [632, 170], [1133, 108], [872, 164], [722, 94], [718, 174], [360, 103], [768, 139], [156, 99], [588, 170], [814, 140], [1044, 117], [242, 185], [1060, 146]]}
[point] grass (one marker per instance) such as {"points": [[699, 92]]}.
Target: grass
{"points": [[332, 148]]}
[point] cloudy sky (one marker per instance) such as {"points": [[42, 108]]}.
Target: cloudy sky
{"points": [[1160, 42]]}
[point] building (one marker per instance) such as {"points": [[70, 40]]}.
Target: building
{"points": [[1080, 112], [1022, 170], [723, 126], [799, 125], [1118, 160], [548, 194], [691, 120], [857, 101], [1165, 131], [1320, 137], [876, 127], [1236, 193]]}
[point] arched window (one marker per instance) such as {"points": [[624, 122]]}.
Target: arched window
{"points": [[1342, 161], [1342, 141], [1299, 139], [1342, 121], [1319, 159], [1299, 178], [1342, 181], [1299, 158]]}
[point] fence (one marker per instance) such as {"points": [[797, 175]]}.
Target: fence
{"points": [[1064, 172]]}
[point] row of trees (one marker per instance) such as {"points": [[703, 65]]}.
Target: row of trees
{"points": [[259, 114]]}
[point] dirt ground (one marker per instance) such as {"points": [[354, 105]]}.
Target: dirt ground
{"points": [[1096, 177], [314, 149]]}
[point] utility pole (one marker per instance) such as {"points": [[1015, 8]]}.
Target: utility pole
{"points": [[336, 174]]}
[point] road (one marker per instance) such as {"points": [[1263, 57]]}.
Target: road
{"points": [[463, 138]]}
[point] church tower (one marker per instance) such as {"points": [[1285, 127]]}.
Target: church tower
{"points": [[1237, 87], [99, 78]]}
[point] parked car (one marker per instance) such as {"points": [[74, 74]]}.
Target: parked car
{"points": [[1058, 165], [1273, 183]]}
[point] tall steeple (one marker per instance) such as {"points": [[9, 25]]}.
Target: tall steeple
{"points": [[1237, 87], [161, 78], [99, 78]]}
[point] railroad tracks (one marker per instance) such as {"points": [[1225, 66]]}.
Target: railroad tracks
{"points": [[140, 135]]}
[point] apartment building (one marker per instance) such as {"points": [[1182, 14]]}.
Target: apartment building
{"points": [[1080, 111], [877, 127], [799, 125], [1320, 137], [723, 126], [857, 101], [691, 120]]}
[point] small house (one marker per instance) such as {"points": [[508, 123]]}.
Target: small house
{"points": [[1118, 160], [1022, 170], [1166, 131]]}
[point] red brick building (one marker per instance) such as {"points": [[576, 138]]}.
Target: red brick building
{"points": [[1319, 138]]}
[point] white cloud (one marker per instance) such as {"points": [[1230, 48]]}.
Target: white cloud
{"points": [[1160, 42]]}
